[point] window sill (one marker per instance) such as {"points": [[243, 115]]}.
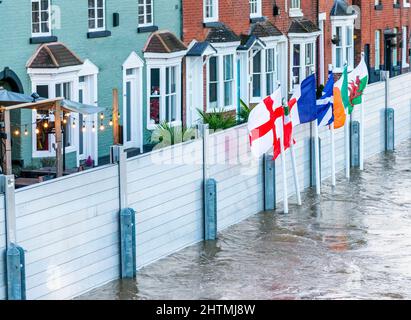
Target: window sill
{"points": [[295, 13], [98, 34], [212, 24], [407, 5], [257, 19], [45, 39], [378, 7], [147, 29]]}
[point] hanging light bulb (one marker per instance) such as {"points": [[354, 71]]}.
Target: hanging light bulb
{"points": [[17, 132], [37, 130], [110, 123], [102, 116], [84, 127], [118, 115], [64, 120], [102, 126], [93, 128], [46, 124], [26, 132], [73, 125]]}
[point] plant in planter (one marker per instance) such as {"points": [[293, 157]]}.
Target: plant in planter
{"points": [[166, 134], [218, 119]]}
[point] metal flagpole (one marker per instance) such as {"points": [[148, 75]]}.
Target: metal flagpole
{"points": [[347, 140], [294, 165], [362, 128], [285, 191], [317, 158], [332, 138]]}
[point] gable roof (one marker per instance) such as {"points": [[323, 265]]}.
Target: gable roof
{"points": [[221, 33], [163, 42], [341, 8], [199, 48], [264, 29], [303, 26], [53, 55]]}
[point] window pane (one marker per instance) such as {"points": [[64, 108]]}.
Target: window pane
{"points": [[228, 93], [213, 68], [296, 55], [155, 110], [228, 67], [128, 109], [338, 57], [155, 81]]}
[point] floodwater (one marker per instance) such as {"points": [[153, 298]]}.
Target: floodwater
{"points": [[353, 242]]}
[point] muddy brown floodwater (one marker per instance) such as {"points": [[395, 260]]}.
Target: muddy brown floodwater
{"points": [[353, 242]]}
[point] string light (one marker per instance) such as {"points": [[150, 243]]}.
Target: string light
{"points": [[37, 131], [73, 125], [102, 116], [46, 124], [26, 132], [93, 128], [84, 127], [17, 132], [110, 123], [118, 116], [102, 127], [64, 120]]}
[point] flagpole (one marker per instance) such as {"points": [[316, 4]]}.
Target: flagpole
{"points": [[317, 158], [332, 138], [347, 141], [285, 191], [362, 129], [294, 164]]}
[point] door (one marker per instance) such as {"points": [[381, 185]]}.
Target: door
{"points": [[87, 124], [130, 109]]}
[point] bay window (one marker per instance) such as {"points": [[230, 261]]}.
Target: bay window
{"points": [[343, 43], [210, 10], [164, 94], [145, 13], [40, 18], [221, 71], [96, 15]]}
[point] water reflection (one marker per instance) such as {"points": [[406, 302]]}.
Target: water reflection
{"points": [[353, 242]]}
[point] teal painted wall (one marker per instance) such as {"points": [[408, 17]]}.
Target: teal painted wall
{"points": [[108, 53]]}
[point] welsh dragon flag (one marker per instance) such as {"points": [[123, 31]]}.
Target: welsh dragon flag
{"points": [[348, 92]]}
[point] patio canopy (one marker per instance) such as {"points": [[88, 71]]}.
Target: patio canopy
{"points": [[13, 101]]}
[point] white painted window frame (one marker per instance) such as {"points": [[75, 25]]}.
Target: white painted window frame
{"points": [[257, 4], [162, 61], [215, 6], [343, 22], [223, 50], [404, 48], [96, 18], [377, 49], [40, 34], [295, 9], [146, 24], [406, 4], [302, 41]]}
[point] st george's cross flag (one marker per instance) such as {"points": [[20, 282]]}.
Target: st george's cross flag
{"points": [[265, 125], [303, 102], [325, 114]]}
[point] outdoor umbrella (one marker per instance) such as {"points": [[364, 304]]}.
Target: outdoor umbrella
{"points": [[9, 98]]}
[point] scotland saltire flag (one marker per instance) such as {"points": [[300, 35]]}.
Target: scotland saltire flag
{"points": [[325, 114]]}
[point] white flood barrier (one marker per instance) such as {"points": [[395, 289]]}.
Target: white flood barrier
{"points": [[69, 226]]}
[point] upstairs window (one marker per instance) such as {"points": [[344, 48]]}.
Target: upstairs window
{"points": [[302, 61], [145, 13], [295, 4], [40, 18], [404, 53], [210, 8], [96, 15], [255, 8], [377, 50], [343, 45]]}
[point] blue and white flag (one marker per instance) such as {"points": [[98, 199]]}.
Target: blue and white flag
{"points": [[325, 115]]}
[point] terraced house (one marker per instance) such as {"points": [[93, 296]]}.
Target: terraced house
{"points": [[244, 49], [82, 50]]}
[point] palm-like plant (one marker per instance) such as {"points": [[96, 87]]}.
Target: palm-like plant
{"points": [[217, 119], [244, 112], [167, 134]]}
